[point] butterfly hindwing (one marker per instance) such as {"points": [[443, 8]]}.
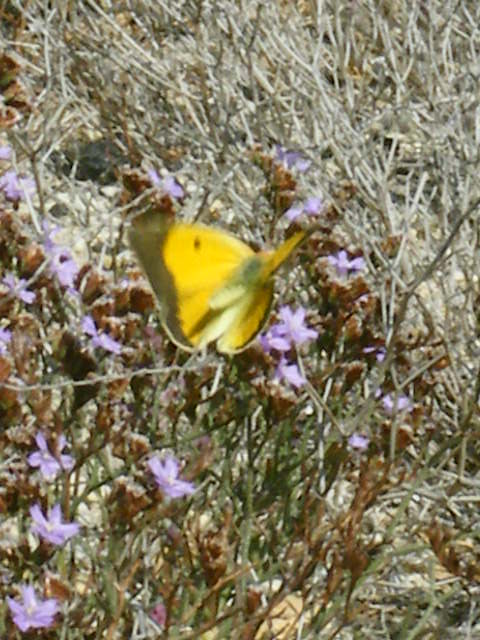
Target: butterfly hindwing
{"points": [[254, 306], [251, 318]]}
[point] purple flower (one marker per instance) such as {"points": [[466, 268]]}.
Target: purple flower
{"points": [[313, 207], [154, 178], [357, 441], [380, 352], [32, 613], [61, 262], [102, 340], [291, 331], [48, 237], [169, 185], [49, 465], [159, 614], [343, 265], [51, 527], [292, 159], [5, 153], [273, 340], [166, 474], [398, 403], [172, 187], [5, 337], [65, 268], [289, 372], [19, 288], [294, 212], [293, 327], [14, 187]]}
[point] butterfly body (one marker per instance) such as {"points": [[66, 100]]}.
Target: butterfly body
{"points": [[210, 285]]}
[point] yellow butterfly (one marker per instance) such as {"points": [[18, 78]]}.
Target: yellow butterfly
{"points": [[210, 285]]}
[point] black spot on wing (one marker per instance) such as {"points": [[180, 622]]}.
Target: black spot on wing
{"points": [[196, 243]]}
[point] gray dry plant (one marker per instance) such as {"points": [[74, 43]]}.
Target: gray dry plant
{"points": [[381, 94]]}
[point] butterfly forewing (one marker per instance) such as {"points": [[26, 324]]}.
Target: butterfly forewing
{"points": [[210, 285], [199, 260]]}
